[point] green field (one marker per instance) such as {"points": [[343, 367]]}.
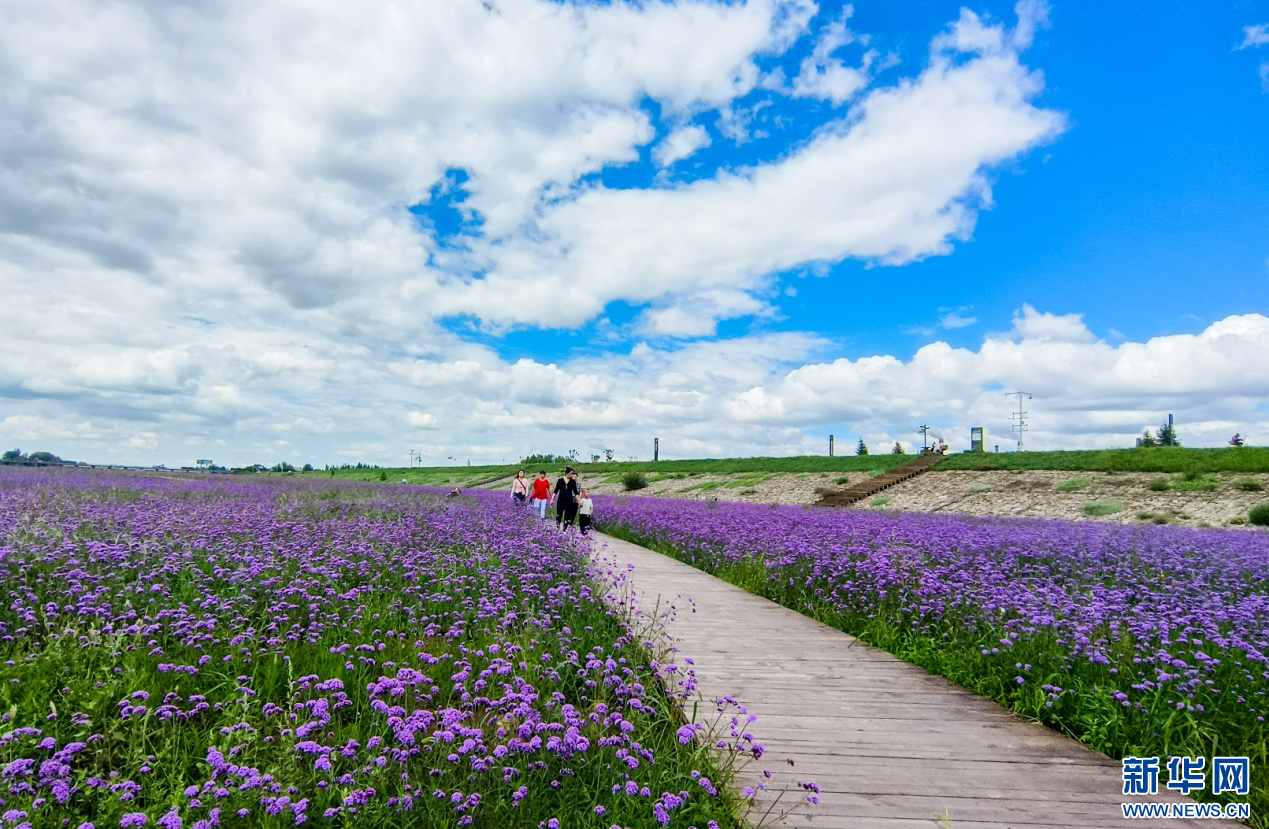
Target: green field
{"points": [[1157, 459], [752, 468]]}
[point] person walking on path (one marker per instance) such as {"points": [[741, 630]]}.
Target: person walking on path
{"points": [[585, 511], [566, 492], [520, 489], [540, 495]]}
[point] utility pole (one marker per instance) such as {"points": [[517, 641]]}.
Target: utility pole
{"points": [[830, 446], [1019, 417], [925, 435], [656, 449]]}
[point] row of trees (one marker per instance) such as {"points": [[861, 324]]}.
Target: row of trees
{"points": [[15, 456]]}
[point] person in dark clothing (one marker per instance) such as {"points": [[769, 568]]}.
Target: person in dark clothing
{"points": [[566, 492]]}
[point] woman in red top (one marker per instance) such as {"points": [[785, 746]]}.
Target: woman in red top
{"points": [[541, 495]]}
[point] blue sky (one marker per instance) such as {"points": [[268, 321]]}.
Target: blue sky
{"points": [[540, 226]]}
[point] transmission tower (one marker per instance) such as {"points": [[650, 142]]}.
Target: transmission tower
{"points": [[1019, 417]]}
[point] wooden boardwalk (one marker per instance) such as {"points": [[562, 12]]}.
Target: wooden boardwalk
{"points": [[890, 745]]}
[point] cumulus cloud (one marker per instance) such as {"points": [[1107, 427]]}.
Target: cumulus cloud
{"points": [[680, 144], [1087, 391], [900, 180], [823, 76]]}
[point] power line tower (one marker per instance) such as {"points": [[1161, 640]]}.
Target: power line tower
{"points": [[1019, 417]]}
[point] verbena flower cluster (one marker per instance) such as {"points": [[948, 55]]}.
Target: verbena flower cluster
{"points": [[1144, 640], [215, 653]]}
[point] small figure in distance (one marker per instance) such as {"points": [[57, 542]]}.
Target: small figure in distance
{"points": [[520, 489], [585, 511], [540, 495], [454, 493], [1236, 440]]}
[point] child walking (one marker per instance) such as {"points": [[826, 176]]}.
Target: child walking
{"points": [[585, 511]]}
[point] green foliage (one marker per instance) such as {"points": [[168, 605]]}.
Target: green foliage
{"points": [[841, 480], [1248, 485], [1159, 485], [1195, 481], [383, 476], [861, 448], [1094, 509], [881, 500], [11, 455], [1259, 515], [1075, 484], [1146, 441], [1247, 460], [897, 449], [633, 480]]}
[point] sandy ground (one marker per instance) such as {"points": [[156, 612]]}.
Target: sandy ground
{"points": [[1031, 494]]}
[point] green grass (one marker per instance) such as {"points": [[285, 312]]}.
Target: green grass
{"points": [[1094, 509], [841, 480], [1159, 459], [1259, 515], [881, 500], [1075, 484], [609, 472], [1194, 482], [1248, 485]]}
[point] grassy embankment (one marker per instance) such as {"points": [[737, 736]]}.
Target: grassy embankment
{"points": [[745, 468], [1159, 459]]}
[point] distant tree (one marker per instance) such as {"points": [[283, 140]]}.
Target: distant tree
{"points": [[572, 454], [608, 454], [594, 459], [12, 455], [861, 448], [1166, 435], [308, 467], [1146, 440], [282, 467], [45, 458], [898, 449]]}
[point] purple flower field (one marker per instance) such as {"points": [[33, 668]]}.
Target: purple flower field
{"points": [[212, 652], [1143, 640]]}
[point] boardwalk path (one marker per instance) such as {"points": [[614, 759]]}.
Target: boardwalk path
{"points": [[889, 744]]}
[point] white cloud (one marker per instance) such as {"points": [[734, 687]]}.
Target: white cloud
{"points": [[421, 420], [823, 76], [1254, 36], [900, 180], [1030, 324], [956, 319], [680, 144], [1087, 392]]}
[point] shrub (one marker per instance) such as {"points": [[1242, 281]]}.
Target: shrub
{"points": [[1195, 482], [633, 480], [383, 476], [1160, 485], [1096, 508], [1248, 485], [881, 501], [1074, 484], [1259, 515], [845, 479]]}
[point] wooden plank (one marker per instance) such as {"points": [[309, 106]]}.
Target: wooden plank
{"points": [[890, 745]]}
